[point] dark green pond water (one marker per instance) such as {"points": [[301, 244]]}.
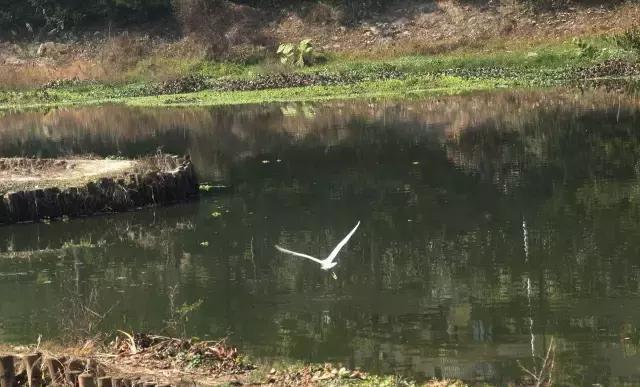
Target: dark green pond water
{"points": [[491, 223]]}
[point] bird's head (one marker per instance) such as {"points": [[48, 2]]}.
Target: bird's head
{"points": [[329, 266]]}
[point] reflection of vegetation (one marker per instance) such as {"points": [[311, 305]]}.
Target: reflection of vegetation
{"points": [[437, 273], [43, 278], [179, 315], [80, 317], [81, 244]]}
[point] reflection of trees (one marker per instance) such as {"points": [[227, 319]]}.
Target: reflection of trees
{"points": [[582, 180], [577, 181], [434, 280], [217, 136]]}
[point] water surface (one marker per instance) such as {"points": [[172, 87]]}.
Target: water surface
{"points": [[490, 224]]}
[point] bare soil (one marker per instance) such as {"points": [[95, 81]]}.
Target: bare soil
{"points": [[21, 173]]}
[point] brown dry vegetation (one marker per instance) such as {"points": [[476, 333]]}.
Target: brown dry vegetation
{"points": [[230, 32], [182, 362], [440, 26], [32, 173], [20, 173]]}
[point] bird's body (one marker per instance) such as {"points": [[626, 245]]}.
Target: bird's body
{"points": [[329, 262]]}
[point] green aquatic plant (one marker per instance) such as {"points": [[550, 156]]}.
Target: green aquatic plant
{"points": [[43, 278], [186, 309], [83, 243], [205, 187]]}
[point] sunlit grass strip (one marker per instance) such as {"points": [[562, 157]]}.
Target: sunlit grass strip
{"points": [[410, 88], [416, 86]]}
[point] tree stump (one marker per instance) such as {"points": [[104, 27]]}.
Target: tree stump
{"points": [[86, 380], [76, 365], [72, 377], [7, 371], [55, 367], [105, 381], [32, 364]]}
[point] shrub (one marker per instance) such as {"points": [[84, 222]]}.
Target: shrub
{"points": [[123, 52], [354, 10], [218, 24], [301, 55], [628, 41], [247, 54], [585, 49], [321, 13]]}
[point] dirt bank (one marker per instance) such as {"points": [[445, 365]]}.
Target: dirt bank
{"points": [[399, 28], [40, 189]]}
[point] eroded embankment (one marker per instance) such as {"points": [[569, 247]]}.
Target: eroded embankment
{"points": [[39, 189]]}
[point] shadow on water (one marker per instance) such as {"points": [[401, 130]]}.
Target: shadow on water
{"points": [[439, 280]]}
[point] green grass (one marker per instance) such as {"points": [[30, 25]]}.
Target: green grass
{"points": [[541, 65], [530, 58], [408, 88], [412, 87]]}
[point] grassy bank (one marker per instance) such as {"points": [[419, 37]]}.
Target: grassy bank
{"points": [[340, 77]]}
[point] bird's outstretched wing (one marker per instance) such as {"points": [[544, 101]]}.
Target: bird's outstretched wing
{"points": [[298, 254], [340, 245]]}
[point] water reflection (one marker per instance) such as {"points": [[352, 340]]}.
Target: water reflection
{"points": [[489, 224]]}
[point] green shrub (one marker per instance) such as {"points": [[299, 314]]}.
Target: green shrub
{"points": [[628, 41], [585, 49], [301, 55]]}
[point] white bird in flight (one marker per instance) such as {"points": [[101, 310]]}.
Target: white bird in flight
{"points": [[329, 262]]}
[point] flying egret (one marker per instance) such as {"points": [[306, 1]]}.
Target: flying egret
{"points": [[329, 262]]}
